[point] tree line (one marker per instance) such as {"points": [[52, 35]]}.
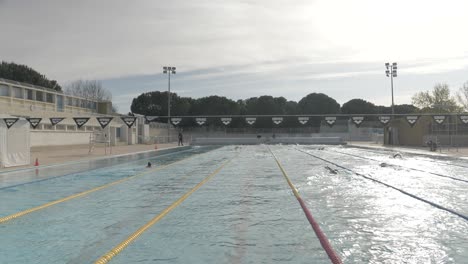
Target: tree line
{"points": [[26, 74], [155, 104]]}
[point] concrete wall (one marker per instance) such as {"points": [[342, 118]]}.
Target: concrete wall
{"points": [[58, 138]]}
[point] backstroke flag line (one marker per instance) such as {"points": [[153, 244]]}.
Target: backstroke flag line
{"points": [[104, 121], [56, 120], [80, 121], [34, 121]]}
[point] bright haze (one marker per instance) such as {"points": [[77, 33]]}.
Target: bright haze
{"points": [[241, 49]]}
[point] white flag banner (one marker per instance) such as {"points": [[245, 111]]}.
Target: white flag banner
{"points": [[439, 119], [464, 119], [200, 120], [277, 120], [129, 120], [176, 120], [226, 120], [250, 120], [80, 121], [303, 120], [9, 122], [56, 120], [412, 119], [150, 119], [34, 121], [357, 120], [384, 120], [104, 121], [330, 120]]}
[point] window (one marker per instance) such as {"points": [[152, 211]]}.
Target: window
{"points": [[29, 94], [49, 98], [17, 92], [4, 90], [39, 96], [69, 101]]}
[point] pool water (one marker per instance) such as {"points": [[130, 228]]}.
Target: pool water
{"points": [[246, 213]]}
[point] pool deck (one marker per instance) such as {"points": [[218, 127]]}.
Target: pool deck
{"points": [[63, 154], [461, 152]]}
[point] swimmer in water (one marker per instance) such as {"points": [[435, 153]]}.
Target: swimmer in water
{"points": [[149, 165], [332, 171], [397, 155]]}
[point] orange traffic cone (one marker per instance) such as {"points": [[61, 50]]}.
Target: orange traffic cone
{"points": [[37, 162]]}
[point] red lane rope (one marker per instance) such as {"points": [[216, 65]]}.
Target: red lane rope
{"points": [[334, 258]]}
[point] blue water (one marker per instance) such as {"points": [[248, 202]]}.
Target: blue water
{"points": [[244, 214]]}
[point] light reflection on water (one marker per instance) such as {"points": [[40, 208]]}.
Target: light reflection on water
{"points": [[247, 213], [379, 225]]}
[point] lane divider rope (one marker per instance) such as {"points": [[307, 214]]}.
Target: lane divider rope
{"points": [[392, 187], [121, 246], [87, 171], [74, 196], [334, 258], [433, 173]]}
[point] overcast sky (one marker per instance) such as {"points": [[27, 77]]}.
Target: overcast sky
{"points": [[241, 49]]}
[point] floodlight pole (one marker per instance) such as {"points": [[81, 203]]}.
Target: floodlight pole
{"points": [[169, 70], [391, 72], [393, 104]]}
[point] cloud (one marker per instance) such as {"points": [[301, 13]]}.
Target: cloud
{"points": [[243, 47]]}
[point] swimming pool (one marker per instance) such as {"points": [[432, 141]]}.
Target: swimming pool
{"points": [[244, 212]]}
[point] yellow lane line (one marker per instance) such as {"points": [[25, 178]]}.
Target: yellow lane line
{"points": [[116, 250], [74, 196], [291, 185]]}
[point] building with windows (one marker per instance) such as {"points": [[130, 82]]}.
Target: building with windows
{"points": [[30, 101]]}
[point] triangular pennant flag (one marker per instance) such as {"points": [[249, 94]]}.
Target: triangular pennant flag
{"points": [[150, 119], [330, 120], [250, 120], [303, 120], [176, 120], [104, 121], [412, 120], [357, 120], [56, 120], [200, 120], [34, 122], [384, 120], [80, 121], [464, 119], [226, 120], [439, 119], [277, 120], [10, 121], [128, 120]]}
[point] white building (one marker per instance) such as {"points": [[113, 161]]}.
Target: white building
{"points": [[31, 101]]}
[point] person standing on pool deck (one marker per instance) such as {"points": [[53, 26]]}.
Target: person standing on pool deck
{"points": [[181, 143]]}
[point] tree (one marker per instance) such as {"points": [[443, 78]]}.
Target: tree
{"points": [[88, 89], [23, 73], [358, 106], [462, 96], [437, 100], [214, 105], [318, 103]]}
